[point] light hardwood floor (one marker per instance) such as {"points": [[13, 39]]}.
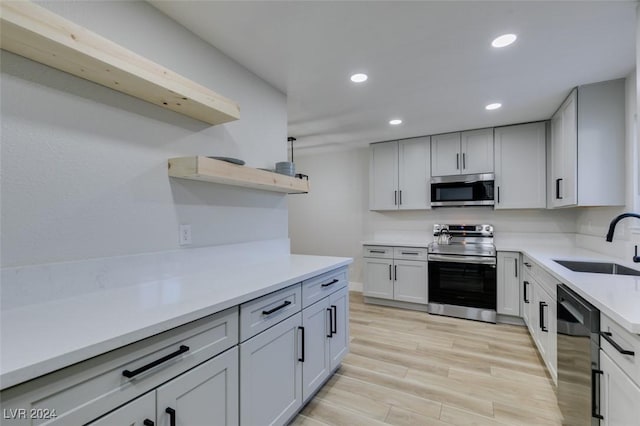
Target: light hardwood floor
{"points": [[412, 368]]}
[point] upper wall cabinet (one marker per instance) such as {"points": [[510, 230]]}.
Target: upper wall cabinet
{"points": [[469, 152], [587, 147], [399, 175], [36, 33], [520, 160]]}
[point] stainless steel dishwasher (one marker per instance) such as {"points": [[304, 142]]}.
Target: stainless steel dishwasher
{"points": [[578, 359]]}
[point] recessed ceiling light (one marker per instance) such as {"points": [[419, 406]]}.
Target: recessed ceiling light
{"points": [[504, 40], [493, 106], [359, 78], [395, 122]]}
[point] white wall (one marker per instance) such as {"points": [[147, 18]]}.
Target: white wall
{"points": [[334, 219], [83, 168]]}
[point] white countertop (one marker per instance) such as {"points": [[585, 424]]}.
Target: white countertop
{"points": [[617, 296], [43, 337]]}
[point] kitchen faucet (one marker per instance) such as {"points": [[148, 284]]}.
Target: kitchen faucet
{"points": [[612, 227]]}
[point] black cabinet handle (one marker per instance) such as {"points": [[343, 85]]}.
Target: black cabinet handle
{"points": [[390, 277], [395, 272], [410, 252], [330, 323], [277, 308], [377, 251], [147, 422], [457, 161], [607, 336], [498, 195], [515, 264], [400, 197], [558, 197], [527, 264], [395, 198], [594, 396], [129, 374], [464, 161], [542, 306], [172, 416], [301, 358], [335, 280], [525, 285], [334, 322]]}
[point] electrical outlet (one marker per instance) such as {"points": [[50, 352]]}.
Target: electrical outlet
{"points": [[184, 237]]}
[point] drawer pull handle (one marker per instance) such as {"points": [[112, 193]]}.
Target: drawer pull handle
{"points": [[301, 358], [333, 281], [377, 251], [410, 252], [527, 264], [172, 416], [277, 308], [148, 422], [129, 374], [607, 336]]}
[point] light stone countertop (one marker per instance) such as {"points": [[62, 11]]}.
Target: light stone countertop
{"points": [[43, 337], [617, 296]]}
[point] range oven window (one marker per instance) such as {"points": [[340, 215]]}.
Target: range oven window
{"points": [[462, 284]]}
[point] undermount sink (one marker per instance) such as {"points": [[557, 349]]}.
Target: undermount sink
{"points": [[597, 267]]}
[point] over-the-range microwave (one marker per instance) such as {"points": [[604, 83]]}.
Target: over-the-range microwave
{"points": [[462, 190]]}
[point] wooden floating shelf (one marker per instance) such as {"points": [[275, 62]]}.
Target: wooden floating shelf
{"points": [[210, 170], [34, 32]]}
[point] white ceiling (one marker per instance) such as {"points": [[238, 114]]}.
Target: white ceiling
{"points": [[429, 63]]}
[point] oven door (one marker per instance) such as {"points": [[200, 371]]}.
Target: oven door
{"points": [[468, 281]]}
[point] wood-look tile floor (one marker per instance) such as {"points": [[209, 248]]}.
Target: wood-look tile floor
{"points": [[412, 368]]}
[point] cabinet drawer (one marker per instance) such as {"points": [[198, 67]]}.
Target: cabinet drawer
{"points": [[266, 311], [410, 253], [378, 251], [323, 285], [82, 391], [625, 341]]}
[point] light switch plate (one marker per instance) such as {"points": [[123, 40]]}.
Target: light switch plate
{"points": [[184, 237]]}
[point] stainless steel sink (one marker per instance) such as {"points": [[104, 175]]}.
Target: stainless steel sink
{"points": [[598, 267]]}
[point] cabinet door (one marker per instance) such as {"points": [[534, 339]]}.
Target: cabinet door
{"points": [[539, 320], [520, 162], [383, 176], [271, 374], [508, 283], [208, 394], [476, 152], [445, 154], [619, 396], [339, 340], [414, 174], [317, 362], [569, 185], [410, 281], [378, 280], [134, 413], [526, 301], [557, 166]]}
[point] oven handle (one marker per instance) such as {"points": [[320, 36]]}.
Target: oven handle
{"points": [[462, 259]]}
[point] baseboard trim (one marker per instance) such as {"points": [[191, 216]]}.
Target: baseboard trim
{"points": [[395, 304]]}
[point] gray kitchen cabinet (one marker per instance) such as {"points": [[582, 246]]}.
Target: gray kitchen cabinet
{"points": [[588, 147], [135, 413], [339, 340], [508, 283], [271, 374], [317, 358], [208, 394], [469, 152], [399, 175], [520, 166], [403, 278], [619, 395], [525, 301]]}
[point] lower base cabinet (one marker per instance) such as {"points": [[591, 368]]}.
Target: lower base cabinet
{"points": [[205, 394], [619, 395]]}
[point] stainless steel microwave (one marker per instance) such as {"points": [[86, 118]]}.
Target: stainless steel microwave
{"points": [[463, 190]]}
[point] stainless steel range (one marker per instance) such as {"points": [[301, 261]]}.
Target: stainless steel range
{"points": [[462, 272]]}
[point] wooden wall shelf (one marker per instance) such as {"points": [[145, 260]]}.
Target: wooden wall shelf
{"points": [[36, 33], [210, 170]]}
